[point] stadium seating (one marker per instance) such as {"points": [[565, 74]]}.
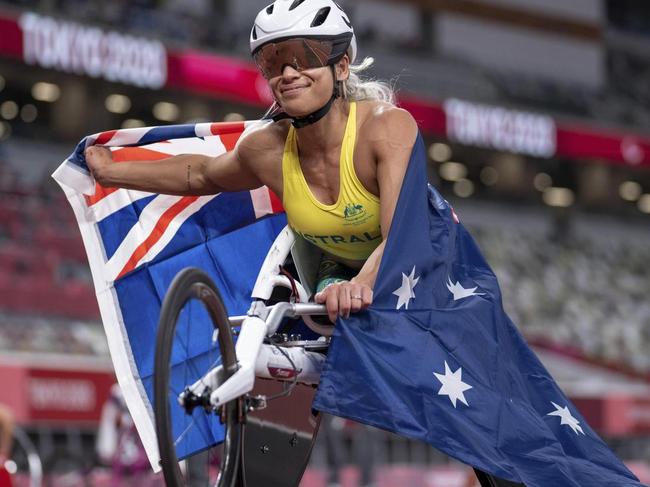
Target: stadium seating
{"points": [[42, 258], [588, 290]]}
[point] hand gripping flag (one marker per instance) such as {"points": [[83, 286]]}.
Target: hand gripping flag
{"points": [[136, 243], [435, 358]]}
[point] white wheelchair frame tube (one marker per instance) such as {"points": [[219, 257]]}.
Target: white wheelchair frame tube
{"points": [[261, 321]]}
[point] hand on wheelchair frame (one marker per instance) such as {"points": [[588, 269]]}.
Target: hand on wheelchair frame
{"points": [[344, 297]]}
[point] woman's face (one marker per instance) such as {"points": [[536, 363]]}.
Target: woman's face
{"points": [[300, 93]]}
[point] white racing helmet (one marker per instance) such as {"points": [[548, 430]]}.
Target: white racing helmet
{"points": [[316, 19]]}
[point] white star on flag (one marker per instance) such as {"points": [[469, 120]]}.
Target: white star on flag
{"points": [[566, 418], [453, 385], [459, 291], [405, 292]]}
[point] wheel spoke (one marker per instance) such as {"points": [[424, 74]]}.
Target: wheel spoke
{"points": [[207, 438], [174, 393], [195, 422], [185, 431], [183, 343], [201, 379]]}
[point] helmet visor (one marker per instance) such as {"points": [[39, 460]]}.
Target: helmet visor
{"points": [[299, 53]]}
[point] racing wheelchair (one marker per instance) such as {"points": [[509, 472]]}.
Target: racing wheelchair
{"points": [[257, 393]]}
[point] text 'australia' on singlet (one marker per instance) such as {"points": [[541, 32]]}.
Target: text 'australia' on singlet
{"points": [[350, 227]]}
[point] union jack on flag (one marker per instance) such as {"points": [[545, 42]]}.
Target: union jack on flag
{"points": [[136, 242]]}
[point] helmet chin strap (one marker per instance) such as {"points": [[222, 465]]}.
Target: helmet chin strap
{"points": [[300, 122]]}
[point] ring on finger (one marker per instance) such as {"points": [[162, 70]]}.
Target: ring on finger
{"points": [[355, 297]]}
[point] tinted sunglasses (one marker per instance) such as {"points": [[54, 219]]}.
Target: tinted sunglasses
{"points": [[299, 53]]}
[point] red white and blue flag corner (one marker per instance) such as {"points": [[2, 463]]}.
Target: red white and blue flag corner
{"points": [[136, 242]]}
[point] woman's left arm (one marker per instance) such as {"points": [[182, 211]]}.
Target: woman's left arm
{"points": [[394, 132], [391, 133]]}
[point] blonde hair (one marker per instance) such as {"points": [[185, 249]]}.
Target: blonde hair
{"points": [[356, 88]]}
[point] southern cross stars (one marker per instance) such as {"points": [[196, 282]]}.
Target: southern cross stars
{"points": [[566, 418], [459, 291], [453, 385], [405, 292]]}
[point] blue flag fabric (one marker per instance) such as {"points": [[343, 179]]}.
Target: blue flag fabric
{"points": [[436, 358], [137, 242]]}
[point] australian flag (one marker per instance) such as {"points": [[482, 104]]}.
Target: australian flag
{"points": [[436, 358], [137, 242]]}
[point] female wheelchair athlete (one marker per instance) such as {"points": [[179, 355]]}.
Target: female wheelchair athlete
{"points": [[269, 424]]}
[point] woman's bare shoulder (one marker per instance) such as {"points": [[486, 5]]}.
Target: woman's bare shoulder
{"points": [[263, 142], [382, 121], [265, 135]]}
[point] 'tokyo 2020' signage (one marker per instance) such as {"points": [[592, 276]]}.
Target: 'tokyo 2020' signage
{"points": [[501, 129], [75, 48]]}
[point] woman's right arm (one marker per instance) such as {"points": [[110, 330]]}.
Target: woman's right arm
{"points": [[184, 174]]}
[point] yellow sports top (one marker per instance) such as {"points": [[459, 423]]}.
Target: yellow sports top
{"points": [[350, 227]]}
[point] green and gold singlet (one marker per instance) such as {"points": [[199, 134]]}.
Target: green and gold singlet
{"points": [[350, 227]]}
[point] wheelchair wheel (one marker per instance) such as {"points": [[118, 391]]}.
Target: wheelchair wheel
{"points": [[25, 463], [193, 319]]}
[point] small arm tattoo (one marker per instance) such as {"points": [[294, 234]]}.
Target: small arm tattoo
{"points": [[189, 171]]}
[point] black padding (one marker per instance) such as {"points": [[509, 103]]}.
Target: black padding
{"points": [[295, 4], [321, 16]]}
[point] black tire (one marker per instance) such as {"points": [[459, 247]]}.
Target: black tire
{"points": [[26, 458], [194, 284]]}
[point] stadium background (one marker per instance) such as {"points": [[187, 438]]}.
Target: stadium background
{"points": [[537, 118]]}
